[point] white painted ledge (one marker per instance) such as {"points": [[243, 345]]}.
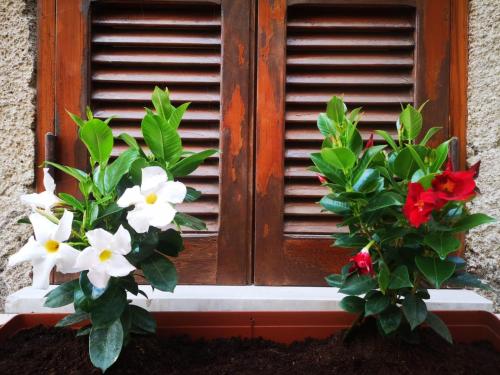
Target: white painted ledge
{"points": [[245, 298]]}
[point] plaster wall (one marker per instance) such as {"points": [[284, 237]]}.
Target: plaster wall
{"points": [[17, 116]]}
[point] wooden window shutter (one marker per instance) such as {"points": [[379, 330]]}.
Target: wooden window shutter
{"points": [[111, 54], [377, 54]]}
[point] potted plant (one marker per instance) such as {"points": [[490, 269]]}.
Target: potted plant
{"points": [[404, 206], [399, 204]]}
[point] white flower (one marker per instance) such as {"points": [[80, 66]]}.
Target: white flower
{"points": [[47, 249], [153, 200], [46, 199], [105, 256]]}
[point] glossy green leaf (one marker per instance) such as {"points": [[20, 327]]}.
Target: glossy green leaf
{"points": [[109, 306], [400, 278], [327, 170], [440, 156], [187, 165], [465, 279], [340, 158], [142, 319], [76, 119], [435, 270], [387, 138], [472, 221], [352, 304], [176, 115], [405, 164], [163, 140], [73, 172], [74, 318], [376, 304], [130, 141], [325, 125], [118, 168], [160, 272], [383, 277], [390, 319], [333, 205], [430, 133], [62, 295], [170, 242], [98, 138], [72, 201], [411, 122], [336, 109], [414, 310], [383, 200], [105, 344], [346, 240], [368, 182], [161, 102], [189, 221], [442, 243], [358, 284], [334, 280], [439, 326]]}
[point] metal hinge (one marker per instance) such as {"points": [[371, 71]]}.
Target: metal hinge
{"points": [[50, 148], [454, 153]]}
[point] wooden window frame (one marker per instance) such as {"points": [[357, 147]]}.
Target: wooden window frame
{"points": [[223, 270], [223, 258]]}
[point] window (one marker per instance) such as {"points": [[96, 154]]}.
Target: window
{"points": [[257, 74]]}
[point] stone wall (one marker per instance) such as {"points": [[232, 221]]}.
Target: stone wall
{"points": [[17, 115]]}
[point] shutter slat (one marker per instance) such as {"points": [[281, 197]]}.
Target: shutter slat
{"points": [[366, 56], [149, 76], [142, 45], [157, 39]]}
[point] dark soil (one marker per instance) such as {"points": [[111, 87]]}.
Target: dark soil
{"points": [[43, 350]]}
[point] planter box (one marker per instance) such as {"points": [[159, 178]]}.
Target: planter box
{"points": [[285, 327]]}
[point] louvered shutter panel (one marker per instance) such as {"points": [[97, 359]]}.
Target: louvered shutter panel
{"points": [[372, 55], [191, 48]]}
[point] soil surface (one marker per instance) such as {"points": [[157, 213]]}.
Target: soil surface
{"points": [[42, 350]]}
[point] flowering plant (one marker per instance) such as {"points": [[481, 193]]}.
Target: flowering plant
{"points": [[125, 221], [403, 206]]}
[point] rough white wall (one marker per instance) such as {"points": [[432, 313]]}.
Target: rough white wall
{"points": [[17, 115], [483, 141], [17, 111]]}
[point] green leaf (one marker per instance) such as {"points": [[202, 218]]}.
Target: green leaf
{"points": [[160, 272], [170, 243], [416, 157], [74, 318], [405, 164], [116, 170], [142, 319], [109, 307], [430, 133], [76, 119], [376, 304], [411, 122], [189, 221], [358, 284], [113, 208], [383, 200], [439, 326], [62, 295], [163, 140], [369, 181], [340, 158], [105, 344], [472, 221], [72, 201], [356, 142], [390, 319], [346, 240], [352, 304], [136, 170], [161, 102], [191, 194], [326, 169], [176, 116], [98, 138], [334, 280], [130, 141], [414, 310], [84, 331], [440, 156], [73, 172], [465, 279], [187, 165], [442, 243], [336, 109], [384, 276], [400, 278], [333, 205], [325, 125], [388, 139], [366, 159], [435, 270]]}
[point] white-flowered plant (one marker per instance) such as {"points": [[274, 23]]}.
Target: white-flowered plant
{"points": [[123, 220], [153, 201]]}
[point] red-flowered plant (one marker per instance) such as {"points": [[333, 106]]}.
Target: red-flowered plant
{"points": [[403, 210]]}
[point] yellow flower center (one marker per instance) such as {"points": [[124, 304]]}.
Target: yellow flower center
{"points": [[151, 198], [105, 255], [51, 246]]}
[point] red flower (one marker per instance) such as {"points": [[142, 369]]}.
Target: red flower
{"points": [[362, 263], [322, 179], [455, 186], [369, 143], [419, 204]]}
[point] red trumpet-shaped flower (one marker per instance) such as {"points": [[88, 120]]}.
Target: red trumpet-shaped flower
{"points": [[419, 204], [455, 185], [322, 179], [363, 261]]}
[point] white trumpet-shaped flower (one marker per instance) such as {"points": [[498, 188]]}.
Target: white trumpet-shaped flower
{"points": [[105, 256], [48, 248], [46, 199], [153, 201]]}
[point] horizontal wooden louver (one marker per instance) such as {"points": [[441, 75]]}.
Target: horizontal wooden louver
{"points": [[366, 55], [135, 46]]}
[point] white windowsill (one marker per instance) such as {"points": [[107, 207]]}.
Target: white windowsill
{"points": [[245, 298]]}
